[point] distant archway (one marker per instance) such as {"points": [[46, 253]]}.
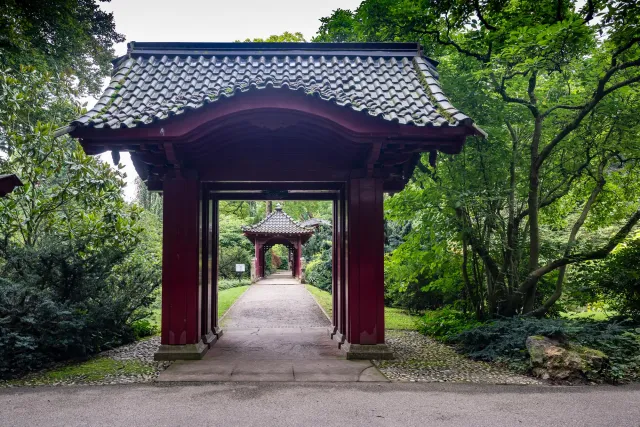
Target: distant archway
{"points": [[277, 228]]}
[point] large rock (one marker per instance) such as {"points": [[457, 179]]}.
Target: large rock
{"points": [[557, 361]]}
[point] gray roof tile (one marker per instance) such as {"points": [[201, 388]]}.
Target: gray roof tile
{"points": [[148, 84], [278, 222]]}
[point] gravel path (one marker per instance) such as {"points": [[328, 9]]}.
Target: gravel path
{"points": [[421, 359]]}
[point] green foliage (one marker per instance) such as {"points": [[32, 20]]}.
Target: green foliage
{"points": [[235, 248], [318, 253], [66, 299], [615, 279], [150, 202], [79, 265], [279, 38], [142, 328], [555, 85], [229, 257], [505, 341], [71, 38], [445, 323], [224, 284], [323, 298]]}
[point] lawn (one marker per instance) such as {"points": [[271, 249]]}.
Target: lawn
{"points": [[394, 318], [227, 297]]}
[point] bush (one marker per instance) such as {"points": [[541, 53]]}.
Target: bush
{"points": [[68, 300], [505, 341], [615, 279], [445, 323], [224, 284], [318, 271], [318, 253], [229, 257], [143, 328]]}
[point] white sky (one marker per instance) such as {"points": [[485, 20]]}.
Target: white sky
{"points": [[212, 21]]}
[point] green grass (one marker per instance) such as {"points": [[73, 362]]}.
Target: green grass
{"points": [[394, 318], [324, 298], [227, 297], [97, 369], [397, 318], [592, 315]]}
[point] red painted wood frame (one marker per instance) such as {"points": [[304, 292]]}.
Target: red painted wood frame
{"points": [[358, 250]]}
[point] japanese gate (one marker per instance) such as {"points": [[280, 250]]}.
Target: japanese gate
{"points": [[278, 228], [238, 121]]}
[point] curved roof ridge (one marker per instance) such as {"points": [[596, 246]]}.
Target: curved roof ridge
{"points": [[277, 222], [156, 81]]}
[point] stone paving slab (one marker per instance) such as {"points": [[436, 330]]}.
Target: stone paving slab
{"points": [[229, 370], [275, 306], [275, 332]]}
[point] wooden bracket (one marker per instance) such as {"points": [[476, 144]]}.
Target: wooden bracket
{"points": [[374, 155]]}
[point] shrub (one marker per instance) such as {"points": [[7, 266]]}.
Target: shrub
{"points": [[143, 328], [318, 271], [225, 284], [445, 323], [68, 300], [229, 257], [318, 253], [505, 341], [616, 279]]}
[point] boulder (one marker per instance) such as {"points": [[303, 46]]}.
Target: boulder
{"points": [[557, 361]]}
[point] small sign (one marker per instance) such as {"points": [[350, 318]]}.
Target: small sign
{"points": [[239, 268]]}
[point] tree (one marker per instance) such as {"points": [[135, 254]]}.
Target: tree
{"points": [[148, 200], [71, 39], [284, 37], [555, 84]]}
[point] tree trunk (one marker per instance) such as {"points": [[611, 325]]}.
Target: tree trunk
{"points": [[533, 205]]}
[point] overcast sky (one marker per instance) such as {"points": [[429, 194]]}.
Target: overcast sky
{"points": [[212, 21]]}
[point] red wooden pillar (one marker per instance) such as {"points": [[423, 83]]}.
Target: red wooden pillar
{"points": [[338, 268], [299, 259], [259, 260], [364, 291], [181, 336], [210, 267]]}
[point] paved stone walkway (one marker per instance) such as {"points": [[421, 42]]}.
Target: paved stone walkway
{"points": [[274, 332], [276, 302]]}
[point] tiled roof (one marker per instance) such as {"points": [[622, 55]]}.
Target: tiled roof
{"points": [[315, 222], [277, 222], [155, 81]]}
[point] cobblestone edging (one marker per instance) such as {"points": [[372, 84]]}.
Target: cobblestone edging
{"points": [[422, 359]]}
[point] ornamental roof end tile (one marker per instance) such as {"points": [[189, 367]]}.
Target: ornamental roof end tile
{"points": [[391, 81]]}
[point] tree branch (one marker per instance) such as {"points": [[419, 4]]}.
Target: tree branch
{"points": [[586, 256], [476, 7], [599, 93]]}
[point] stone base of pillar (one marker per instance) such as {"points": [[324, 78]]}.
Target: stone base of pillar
{"points": [[181, 352], [367, 352], [210, 339], [336, 336]]}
